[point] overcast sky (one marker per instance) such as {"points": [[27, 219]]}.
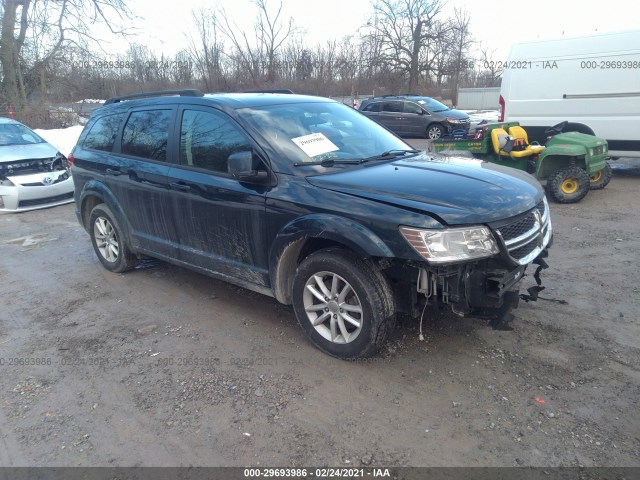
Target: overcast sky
{"points": [[495, 23]]}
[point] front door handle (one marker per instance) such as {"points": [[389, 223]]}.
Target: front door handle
{"points": [[180, 186], [112, 171]]}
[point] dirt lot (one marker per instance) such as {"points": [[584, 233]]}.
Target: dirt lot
{"points": [[162, 366]]}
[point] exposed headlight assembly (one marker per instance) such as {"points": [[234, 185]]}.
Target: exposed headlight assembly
{"points": [[451, 245]]}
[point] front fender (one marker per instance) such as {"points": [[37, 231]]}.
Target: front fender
{"points": [[285, 249]]}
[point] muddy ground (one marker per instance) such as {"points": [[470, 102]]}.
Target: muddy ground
{"points": [[162, 366]]}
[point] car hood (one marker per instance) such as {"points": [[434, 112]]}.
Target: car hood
{"points": [[454, 190], [454, 114], [33, 151]]}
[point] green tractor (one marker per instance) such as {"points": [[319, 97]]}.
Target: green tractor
{"points": [[569, 164]]}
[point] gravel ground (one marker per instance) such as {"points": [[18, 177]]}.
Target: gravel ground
{"points": [[165, 367]]}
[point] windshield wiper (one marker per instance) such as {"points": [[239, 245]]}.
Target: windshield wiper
{"points": [[328, 163], [389, 154]]}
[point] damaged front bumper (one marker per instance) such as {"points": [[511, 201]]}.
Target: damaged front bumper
{"points": [[490, 288]]}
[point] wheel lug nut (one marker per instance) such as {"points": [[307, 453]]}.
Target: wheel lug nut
{"points": [[341, 311], [335, 316], [326, 309]]}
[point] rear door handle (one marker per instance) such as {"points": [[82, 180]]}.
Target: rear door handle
{"points": [[180, 186], [114, 172]]}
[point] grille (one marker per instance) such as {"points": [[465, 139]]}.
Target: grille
{"points": [[525, 236], [522, 252], [44, 201], [24, 167], [514, 230]]}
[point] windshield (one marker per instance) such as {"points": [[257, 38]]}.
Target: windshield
{"points": [[432, 105], [314, 132], [16, 134]]}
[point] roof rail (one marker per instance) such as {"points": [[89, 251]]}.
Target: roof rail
{"points": [[183, 93], [283, 90]]}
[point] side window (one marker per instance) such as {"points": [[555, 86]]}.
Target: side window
{"points": [[103, 133], [207, 139], [146, 134], [394, 107], [410, 107], [373, 107]]}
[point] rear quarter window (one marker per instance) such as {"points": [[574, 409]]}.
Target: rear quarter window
{"points": [[103, 133]]}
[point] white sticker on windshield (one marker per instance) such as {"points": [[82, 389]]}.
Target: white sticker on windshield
{"points": [[315, 144]]}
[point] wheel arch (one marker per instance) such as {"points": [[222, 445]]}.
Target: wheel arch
{"points": [[554, 162], [94, 193], [311, 233]]}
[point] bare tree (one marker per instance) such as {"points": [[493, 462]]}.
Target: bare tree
{"points": [[490, 70], [461, 42], [260, 54], [54, 24], [206, 50], [272, 32], [404, 28]]}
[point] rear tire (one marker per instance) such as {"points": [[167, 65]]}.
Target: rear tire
{"points": [[601, 178], [568, 185], [343, 303], [109, 242]]}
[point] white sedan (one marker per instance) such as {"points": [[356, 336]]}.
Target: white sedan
{"points": [[33, 173]]}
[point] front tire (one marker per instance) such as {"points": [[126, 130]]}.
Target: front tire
{"points": [[568, 185], [435, 131], [109, 241], [601, 178], [343, 303]]}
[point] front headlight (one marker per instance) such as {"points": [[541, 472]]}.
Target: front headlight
{"points": [[451, 244], [453, 120]]}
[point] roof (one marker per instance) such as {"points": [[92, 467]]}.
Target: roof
{"points": [[228, 100]]}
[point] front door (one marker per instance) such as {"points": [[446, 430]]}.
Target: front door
{"points": [[220, 220]]}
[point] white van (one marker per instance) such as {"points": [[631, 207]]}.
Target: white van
{"points": [[591, 81]]}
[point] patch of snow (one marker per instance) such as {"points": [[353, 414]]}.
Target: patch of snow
{"points": [[479, 115], [64, 139], [91, 100]]}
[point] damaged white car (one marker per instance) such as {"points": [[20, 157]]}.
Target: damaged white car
{"points": [[33, 173]]}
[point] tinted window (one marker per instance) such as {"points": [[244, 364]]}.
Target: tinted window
{"points": [[207, 139], [373, 107], [146, 134], [395, 107], [410, 107], [103, 133]]}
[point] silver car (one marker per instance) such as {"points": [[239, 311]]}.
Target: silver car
{"points": [[33, 173]]}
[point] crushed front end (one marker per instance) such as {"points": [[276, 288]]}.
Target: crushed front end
{"points": [[484, 287]]}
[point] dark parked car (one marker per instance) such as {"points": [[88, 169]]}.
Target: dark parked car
{"points": [[306, 200], [414, 116]]}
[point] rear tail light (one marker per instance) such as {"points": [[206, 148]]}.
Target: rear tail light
{"points": [[70, 160], [501, 117]]}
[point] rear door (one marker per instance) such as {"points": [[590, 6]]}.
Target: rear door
{"points": [[414, 123], [220, 220], [137, 174]]}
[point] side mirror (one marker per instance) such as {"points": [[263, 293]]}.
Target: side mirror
{"points": [[244, 166]]}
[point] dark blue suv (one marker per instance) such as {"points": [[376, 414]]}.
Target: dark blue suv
{"points": [[306, 200]]}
